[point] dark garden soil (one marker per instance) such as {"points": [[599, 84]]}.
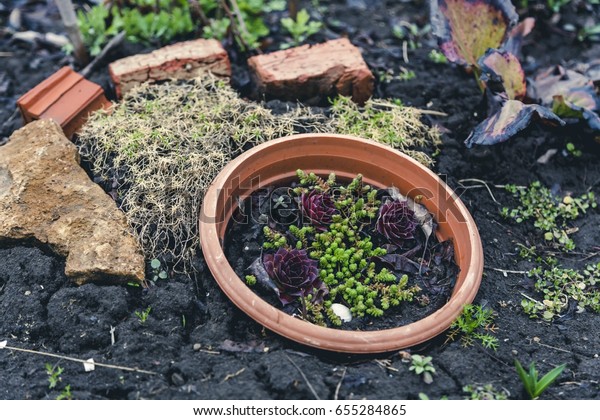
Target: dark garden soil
{"points": [[201, 347]]}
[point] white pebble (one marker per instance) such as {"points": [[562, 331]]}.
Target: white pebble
{"points": [[342, 311]]}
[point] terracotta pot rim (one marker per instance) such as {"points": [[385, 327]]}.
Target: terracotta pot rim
{"points": [[392, 161]]}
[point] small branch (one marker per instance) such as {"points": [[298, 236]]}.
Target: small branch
{"points": [[480, 182], [505, 272], [432, 112], [293, 8], [339, 384], [233, 375], [67, 14], [304, 377], [197, 13], [531, 299], [234, 27], [73, 359], [107, 48], [405, 51]]}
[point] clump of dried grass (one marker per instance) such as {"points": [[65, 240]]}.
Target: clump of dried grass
{"points": [[163, 145]]}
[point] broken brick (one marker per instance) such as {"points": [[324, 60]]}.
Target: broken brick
{"points": [[313, 72], [65, 97], [184, 60]]}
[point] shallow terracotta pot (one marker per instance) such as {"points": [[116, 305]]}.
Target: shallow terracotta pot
{"points": [[276, 163]]}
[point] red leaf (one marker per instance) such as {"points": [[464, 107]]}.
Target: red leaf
{"points": [[503, 68], [467, 28], [513, 117]]}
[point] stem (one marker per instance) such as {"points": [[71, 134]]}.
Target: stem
{"points": [[477, 74], [293, 8], [197, 13], [67, 14]]}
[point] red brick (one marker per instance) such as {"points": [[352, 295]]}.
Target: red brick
{"points": [[318, 71], [66, 97], [184, 60]]}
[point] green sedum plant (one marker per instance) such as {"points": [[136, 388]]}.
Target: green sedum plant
{"points": [[534, 386]]}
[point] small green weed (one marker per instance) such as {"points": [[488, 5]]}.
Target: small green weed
{"points": [[571, 149], [475, 323], [437, 57], [300, 29], [143, 315], [484, 392], [54, 373], [561, 286], [65, 394], [157, 272], [549, 212], [99, 24], [422, 365], [532, 385], [556, 5]]}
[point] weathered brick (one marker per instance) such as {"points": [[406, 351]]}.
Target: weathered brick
{"points": [[184, 60], [311, 72]]}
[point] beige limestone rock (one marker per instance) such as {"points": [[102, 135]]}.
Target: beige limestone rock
{"points": [[46, 196]]}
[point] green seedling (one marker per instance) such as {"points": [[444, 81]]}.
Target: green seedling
{"points": [[157, 272], [300, 29], [422, 365], [437, 57], [475, 323], [143, 315], [572, 150], [54, 373], [532, 385], [65, 394], [484, 392]]}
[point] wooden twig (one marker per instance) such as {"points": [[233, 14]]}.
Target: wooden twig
{"points": [[339, 385], [67, 14], [197, 13], [505, 272], [233, 25], [293, 9], [73, 359], [304, 377], [107, 48], [485, 184]]}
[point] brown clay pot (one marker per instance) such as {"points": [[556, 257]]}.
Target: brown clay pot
{"points": [[275, 162]]}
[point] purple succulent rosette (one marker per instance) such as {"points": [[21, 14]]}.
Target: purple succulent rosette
{"points": [[396, 221], [295, 274], [319, 207]]}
